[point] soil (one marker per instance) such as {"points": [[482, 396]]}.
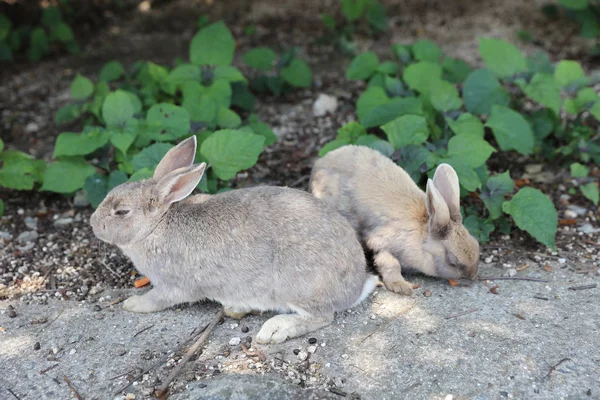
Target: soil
{"points": [[66, 261]]}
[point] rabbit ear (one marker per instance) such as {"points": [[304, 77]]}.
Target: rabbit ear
{"points": [[446, 182], [178, 184], [439, 216], [179, 156]]}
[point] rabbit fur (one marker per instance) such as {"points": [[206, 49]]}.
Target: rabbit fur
{"points": [[255, 249], [405, 228]]}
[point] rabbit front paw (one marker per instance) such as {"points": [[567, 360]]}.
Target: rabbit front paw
{"points": [[399, 286], [141, 304]]}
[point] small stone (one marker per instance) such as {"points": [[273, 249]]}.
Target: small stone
{"points": [[562, 260], [32, 127], [296, 351], [12, 313], [27, 236], [245, 329], [570, 214], [73, 351], [427, 293], [55, 350], [311, 349], [27, 247], [31, 223], [511, 272], [235, 341], [588, 229], [589, 392], [37, 346], [80, 200], [130, 396], [488, 260], [312, 340], [5, 235], [344, 356], [63, 221], [97, 308], [22, 270], [324, 104], [75, 338], [580, 211]]}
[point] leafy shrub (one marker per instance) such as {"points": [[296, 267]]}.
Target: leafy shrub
{"points": [[277, 74], [132, 118], [584, 13], [433, 109], [38, 39], [353, 11]]}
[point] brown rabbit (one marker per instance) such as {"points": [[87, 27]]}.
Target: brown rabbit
{"points": [[256, 249], [405, 228]]}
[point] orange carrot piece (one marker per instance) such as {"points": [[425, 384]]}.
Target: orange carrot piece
{"points": [[141, 282], [452, 282]]}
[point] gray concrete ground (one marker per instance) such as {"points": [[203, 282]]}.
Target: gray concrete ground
{"points": [[532, 340]]}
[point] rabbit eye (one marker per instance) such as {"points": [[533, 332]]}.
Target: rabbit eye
{"points": [[121, 212]]}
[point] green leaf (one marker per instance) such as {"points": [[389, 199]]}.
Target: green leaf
{"points": [[122, 139], [67, 113], [579, 171], [567, 72], [115, 179], [533, 212], [467, 176], [1, 207], [20, 171], [402, 52], [393, 86], [168, 120], [75, 144], [184, 73], [5, 26], [95, 188], [227, 118], [38, 44], [405, 130], [51, 16], [144, 173], [419, 76], [503, 58], [388, 68], [111, 71], [590, 191], [297, 74], [81, 88], [261, 58], [351, 132], [231, 151], [353, 9], [1, 145], [392, 109], [260, 128], [444, 96], [595, 110], [150, 156], [212, 45], [62, 33], [543, 122], [544, 89], [574, 4], [478, 227], [539, 62], [511, 130], [228, 73], [455, 70], [414, 160], [426, 50], [376, 16], [362, 66], [373, 142], [76, 170], [334, 144], [482, 90], [473, 151], [467, 124], [117, 108], [496, 188]]}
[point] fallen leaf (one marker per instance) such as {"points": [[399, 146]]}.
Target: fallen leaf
{"points": [[452, 282], [547, 268], [522, 267], [567, 221], [141, 282], [521, 182], [494, 289], [519, 316]]}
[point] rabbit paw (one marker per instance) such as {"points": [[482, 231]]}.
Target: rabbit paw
{"points": [[141, 304], [275, 330], [400, 287]]}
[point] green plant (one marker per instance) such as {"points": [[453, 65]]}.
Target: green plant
{"points": [[585, 13], [39, 39], [132, 118], [423, 109], [587, 185], [353, 12], [277, 74]]}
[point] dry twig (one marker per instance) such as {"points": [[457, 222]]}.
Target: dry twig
{"points": [[197, 345], [472, 310], [389, 321], [583, 287], [144, 330], [42, 372], [511, 278], [75, 393]]}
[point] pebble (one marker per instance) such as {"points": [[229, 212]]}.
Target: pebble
{"points": [[63, 221], [588, 228], [312, 340], [303, 355], [97, 308], [32, 127], [235, 341], [562, 260], [23, 270], [488, 260], [245, 329], [12, 313], [5, 235], [427, 293], [80, 201], [37, 346], [75, 338], [311, 349], [580, 211], [73, 351], [31, 223], [130, 396], [27, 236], [344, 356], [296, 351], [324, 104], [511, 272], [570, 214], [27, 247]]}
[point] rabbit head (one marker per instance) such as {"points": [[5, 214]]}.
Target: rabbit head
{"points": [[455, 251], [131, 211]]}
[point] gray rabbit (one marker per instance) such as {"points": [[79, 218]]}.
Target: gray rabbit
{"points": [[255, 249], [405, 228]]}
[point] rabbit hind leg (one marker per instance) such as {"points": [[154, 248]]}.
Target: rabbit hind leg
{"points": [[286, 326]]}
